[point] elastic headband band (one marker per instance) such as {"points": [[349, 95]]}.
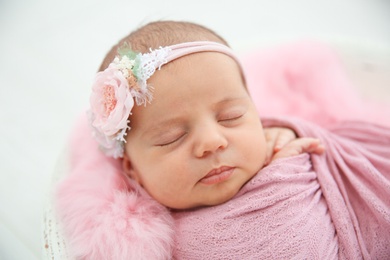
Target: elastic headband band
{"points": [[182, 49], [124, 82]]}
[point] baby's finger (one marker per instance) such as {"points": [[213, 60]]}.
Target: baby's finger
{"points": [[284, 137], [279, 136], [299, 146], [311, 145], [270, 149], [271, 136]]}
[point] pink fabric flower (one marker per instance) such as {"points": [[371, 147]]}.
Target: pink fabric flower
{"points": [[111, 103], [114, 93]]}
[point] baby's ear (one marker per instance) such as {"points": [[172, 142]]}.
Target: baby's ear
{"points": [[129, 169]]}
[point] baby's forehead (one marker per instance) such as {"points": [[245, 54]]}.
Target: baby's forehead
{"points": [[203, 59]]}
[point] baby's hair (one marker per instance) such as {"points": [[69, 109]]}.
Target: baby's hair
{"points": [[162, 33]]}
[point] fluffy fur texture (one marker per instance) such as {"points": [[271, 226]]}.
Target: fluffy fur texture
{"points": [[106, 216]]}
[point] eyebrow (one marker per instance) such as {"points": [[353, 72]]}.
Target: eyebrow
{"points": [[160, 126], [228, 100]]}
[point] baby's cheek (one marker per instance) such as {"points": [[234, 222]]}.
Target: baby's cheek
{"points": [[259, 149]]}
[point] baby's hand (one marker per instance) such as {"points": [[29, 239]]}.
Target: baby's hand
{"points": [[299, 146], [276, 138], [283, 142]]}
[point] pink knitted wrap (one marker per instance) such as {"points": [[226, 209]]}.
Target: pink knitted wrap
{"points": [[333, 206]]}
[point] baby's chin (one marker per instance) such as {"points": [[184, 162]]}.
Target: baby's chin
{"points": [[229, 192], [210, 202]]}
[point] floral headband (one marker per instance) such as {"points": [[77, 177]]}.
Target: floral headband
{"points": [[124, 82]]}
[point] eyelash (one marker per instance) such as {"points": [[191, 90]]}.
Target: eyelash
{"points": [[226, 119], [231, 118], [171, 142]]}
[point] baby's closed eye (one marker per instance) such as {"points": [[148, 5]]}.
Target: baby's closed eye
{"points": [[230, 118], [169, 138]]}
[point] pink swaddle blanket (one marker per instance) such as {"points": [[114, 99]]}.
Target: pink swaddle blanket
{"points": [[333, 206]]}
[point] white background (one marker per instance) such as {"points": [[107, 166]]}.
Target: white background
{"points": [[51, 49]]}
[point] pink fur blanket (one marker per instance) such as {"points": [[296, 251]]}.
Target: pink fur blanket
{"points": [[332, 207]]}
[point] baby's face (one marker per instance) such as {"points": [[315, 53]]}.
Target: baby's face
{"points": [[200, 140]]}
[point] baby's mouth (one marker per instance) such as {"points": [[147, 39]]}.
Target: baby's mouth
{"points": [[218, 175]]}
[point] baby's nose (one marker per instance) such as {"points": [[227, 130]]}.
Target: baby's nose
{"points": [[210, 141]]}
